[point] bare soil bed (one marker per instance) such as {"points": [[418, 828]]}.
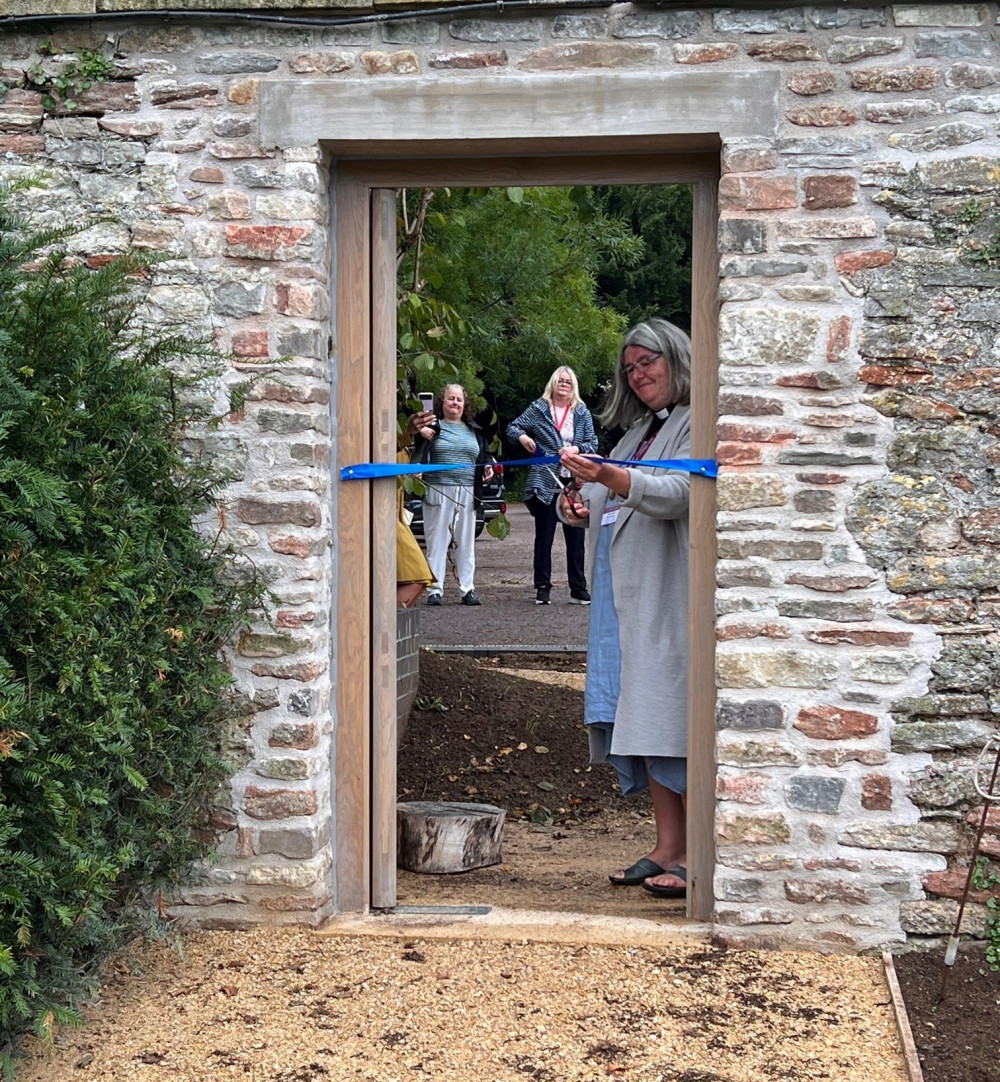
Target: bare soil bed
{"points": [[955, 1017]]}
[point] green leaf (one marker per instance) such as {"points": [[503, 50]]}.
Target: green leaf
{"points": [[515, 195], [499, 527]]}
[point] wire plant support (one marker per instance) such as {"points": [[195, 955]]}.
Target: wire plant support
{"points": [[990, 796]]}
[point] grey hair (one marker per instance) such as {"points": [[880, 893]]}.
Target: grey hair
{"points": [[622, 406]]}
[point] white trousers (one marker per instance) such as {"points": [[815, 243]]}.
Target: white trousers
{"points": [[450, 511]]}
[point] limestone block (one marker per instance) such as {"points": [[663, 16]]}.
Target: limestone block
{"points": [[776, 668], [926, 837], [767, 336], [884, 668], [757, 753], [941, 735], [943, 785]]}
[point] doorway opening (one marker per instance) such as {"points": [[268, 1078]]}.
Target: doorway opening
{"points": [[502, 290], [364, 199]]}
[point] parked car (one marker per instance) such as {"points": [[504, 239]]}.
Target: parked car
{"points": [[494, 502]]}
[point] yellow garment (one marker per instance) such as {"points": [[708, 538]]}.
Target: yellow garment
{"points": [[411, 563]]}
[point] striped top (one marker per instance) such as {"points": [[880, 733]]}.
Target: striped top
{"points": [[455, 443], [537, 422]]}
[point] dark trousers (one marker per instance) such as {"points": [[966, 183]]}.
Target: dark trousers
{"points": [[546, 521]]}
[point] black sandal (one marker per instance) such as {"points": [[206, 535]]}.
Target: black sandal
{"points": [[669, 892], [634, 876]]}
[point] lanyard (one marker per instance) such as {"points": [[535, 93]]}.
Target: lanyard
{"points": [[559, 424], [654, 427]]}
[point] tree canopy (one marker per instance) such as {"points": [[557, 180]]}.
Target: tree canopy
{"points": [[500, 288]]}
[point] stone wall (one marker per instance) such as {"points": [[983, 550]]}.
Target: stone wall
{"points": [[858, 577]]}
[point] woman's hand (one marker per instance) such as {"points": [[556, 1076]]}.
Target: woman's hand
{"points": [[427, 432], [571, 505], [527, 443], [590, 468], [418, 422]]}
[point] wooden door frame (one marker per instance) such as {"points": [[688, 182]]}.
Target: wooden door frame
{"points": [[364, 545]]}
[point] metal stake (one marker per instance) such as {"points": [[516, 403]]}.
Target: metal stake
{"points": [[951, 951]]}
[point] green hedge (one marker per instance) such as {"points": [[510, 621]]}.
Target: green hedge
{"points": [[113, 610]]}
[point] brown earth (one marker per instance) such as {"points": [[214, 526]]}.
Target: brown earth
{"points": [[954, 1014]]}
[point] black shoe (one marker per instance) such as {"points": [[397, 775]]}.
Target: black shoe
{"points": [[470, 598], [542, 597], [433, 599], [579, 597]]}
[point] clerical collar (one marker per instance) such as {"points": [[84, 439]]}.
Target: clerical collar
{"points": [[664, 413]]}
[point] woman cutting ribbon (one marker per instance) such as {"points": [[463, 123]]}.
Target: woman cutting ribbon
{"points": [[556, 420], [635, 705]]}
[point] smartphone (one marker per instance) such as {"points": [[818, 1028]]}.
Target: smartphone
{"points": [[426, 400]]}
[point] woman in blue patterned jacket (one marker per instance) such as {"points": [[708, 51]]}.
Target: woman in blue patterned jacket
{"points": [[558, 419]]}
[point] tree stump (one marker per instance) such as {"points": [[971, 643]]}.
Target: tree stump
{"points": [[439, 837]]}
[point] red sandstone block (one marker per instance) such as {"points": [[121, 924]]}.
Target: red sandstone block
{"points": [[207, 175], [265, 241], [738, 454], [839, 339], [807, 83], [835, 723], [823, 192], [279, 803], [849, 262], [738, 191], [751, 631], [876, 792], [754, 433], [21, 144], [707, 53], [244, 842], [951, 884], [831, 636], [250, 343], [816, 381], [302, 735], [743, 788], [302, 547], [748, 160], [284, 618], [822, 116], [883, 375]]}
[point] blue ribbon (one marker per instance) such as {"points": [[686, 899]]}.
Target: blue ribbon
{"points": [[364, 471]]}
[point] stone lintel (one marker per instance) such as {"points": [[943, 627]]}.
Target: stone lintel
{"points": [[579, 105]]}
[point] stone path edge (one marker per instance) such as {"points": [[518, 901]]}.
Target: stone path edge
{"points": [[577, 929], [913, 1069]]}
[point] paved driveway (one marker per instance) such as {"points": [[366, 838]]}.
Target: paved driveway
{"points": [[508, 616]]}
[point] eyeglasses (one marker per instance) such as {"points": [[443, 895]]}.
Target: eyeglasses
{"points": [[640, 366]]}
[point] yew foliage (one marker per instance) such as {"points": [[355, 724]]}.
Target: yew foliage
{"points": [[113, 611]]}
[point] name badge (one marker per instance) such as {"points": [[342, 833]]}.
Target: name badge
{"points": [[610, 515]]}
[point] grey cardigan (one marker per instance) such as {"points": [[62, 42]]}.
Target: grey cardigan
{"points": [[649, 572]]}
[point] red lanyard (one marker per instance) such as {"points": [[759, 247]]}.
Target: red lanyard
{"points": [[654, 427], [559, 424]]}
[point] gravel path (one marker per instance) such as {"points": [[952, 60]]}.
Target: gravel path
{"points": [[508, 616]]}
